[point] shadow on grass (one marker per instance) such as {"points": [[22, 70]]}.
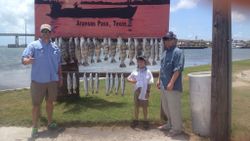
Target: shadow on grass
{"points": [[75, 105]]}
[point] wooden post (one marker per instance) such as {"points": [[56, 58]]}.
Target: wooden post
{"points": [[221, 72]]}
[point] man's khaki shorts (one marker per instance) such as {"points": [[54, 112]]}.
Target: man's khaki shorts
{"points": [[41, 90]]}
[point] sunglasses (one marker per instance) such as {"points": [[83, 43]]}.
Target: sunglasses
{"points": [[45, 31]]}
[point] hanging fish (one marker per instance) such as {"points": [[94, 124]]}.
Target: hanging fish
{"points": [[161, 44], [56, 42], [152, 44], [157, 50], [91, 83], [122, 84], [74, 83], [82, 42], [69, 83], [138, 47], [107, 84], [147, 50], [122, 48], [112, 47], [136, 42], [85, 82], [91, 46], [77, 49], [97, 50], [106, 48], [111, 83], [72, 50], [116, 83], [131, 51], [64, 52], [96, 83], [85, 53]]}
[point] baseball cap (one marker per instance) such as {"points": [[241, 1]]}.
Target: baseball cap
{"points": [[45, 26], [169, 35], [141, 57]]}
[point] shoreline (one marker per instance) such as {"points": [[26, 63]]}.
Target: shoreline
{"points": [[243, 74]]}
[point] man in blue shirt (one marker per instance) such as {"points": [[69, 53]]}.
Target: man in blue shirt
{"points": [[45, 75], [170, 83]]}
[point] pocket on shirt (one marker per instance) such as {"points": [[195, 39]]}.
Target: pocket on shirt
{"points": [[40, 53]]}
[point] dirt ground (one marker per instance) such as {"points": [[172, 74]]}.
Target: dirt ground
{"points": [[241, 79]]}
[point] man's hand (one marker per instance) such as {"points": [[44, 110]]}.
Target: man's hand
{"points": [[28, 60], [170, 86]]}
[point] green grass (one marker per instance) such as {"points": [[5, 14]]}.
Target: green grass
{"points": [[98, 109]]}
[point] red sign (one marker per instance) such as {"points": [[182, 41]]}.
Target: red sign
{"points": [[103, 18]]}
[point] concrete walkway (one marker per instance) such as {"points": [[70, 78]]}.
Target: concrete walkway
{"points": [[89, 134]]}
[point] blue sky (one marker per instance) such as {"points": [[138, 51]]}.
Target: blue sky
{"points": [[192, 19], [189, 19]]}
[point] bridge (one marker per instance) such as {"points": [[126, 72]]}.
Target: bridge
{"points": [[16, 35]]}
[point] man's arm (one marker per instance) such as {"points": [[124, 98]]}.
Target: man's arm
{"points": [[170, 85], [27, 57]]}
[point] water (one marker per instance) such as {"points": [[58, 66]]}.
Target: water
{"points": [[15, 75]]}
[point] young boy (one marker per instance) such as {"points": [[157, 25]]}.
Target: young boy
{"points": [[141, 78]]}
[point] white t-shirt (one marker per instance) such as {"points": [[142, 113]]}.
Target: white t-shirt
{"points": [[143, 77]]}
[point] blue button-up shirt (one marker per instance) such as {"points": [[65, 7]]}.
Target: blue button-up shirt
{"points": [[172, 60], [46, 61]]}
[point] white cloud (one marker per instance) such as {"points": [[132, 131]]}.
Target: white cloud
{"points": [[184, 4], [13, 14], [237, 35], [238, 17]]}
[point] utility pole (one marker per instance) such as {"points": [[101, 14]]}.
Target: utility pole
{"points": [[221, 72]]}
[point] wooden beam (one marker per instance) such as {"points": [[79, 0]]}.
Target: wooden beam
{"points": [[221, 72]]}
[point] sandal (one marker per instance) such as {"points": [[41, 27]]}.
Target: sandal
{"points": [[134, 123], [146, 125]]}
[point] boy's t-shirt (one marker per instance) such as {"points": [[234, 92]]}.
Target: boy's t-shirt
{"points": [[143, 77]]}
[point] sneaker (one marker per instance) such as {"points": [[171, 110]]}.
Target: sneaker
{"points": [[146, 125], [34, 133], [134, 123], [173, 133], [165, 127], [54, 127]]}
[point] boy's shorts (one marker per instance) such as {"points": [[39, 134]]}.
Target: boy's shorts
{"points": [[138, 102], [40, 90]]}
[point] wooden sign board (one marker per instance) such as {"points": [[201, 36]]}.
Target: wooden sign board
{"points": [[103, 18]]}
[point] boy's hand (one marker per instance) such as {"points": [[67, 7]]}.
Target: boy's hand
{"points": [[132, 81], [158, 84]]}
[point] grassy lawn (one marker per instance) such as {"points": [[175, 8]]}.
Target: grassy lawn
{"points": [[98, 109]]}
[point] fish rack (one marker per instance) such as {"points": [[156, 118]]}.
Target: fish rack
{"points": [[73, 76], [76, 51], [103, 74]]}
